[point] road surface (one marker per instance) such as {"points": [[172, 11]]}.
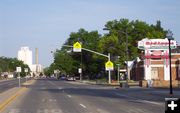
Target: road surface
{"points": [[53, 96], [8, 84]]}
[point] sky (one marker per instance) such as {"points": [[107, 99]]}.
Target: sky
{"points": [[47, 24]]}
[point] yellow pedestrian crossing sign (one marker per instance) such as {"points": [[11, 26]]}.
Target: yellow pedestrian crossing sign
{"points": [[77, 47], [109, 65]]}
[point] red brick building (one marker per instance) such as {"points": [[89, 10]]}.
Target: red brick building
{"points": [[153, 64]]}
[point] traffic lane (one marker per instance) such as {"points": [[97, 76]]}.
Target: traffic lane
{"points": [[67, 98], [149, 94], [40, 100], [6, 85], [105, 100], [135, 93]]}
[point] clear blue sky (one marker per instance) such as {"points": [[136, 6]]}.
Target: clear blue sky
{"points": [[46, 24]]}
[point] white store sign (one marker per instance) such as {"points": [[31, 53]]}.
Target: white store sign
{"points": [[156, 44]]}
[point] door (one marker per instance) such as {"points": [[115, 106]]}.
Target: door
{"points": [[154, 73]]}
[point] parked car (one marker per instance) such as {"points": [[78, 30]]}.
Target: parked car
{"points": [[63, 78], [71, 79]]}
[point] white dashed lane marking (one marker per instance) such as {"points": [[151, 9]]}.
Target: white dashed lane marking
{"points": [[69, 96], [60, 88], [82, 105]]}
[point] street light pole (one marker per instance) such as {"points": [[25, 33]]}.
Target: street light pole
{"points": [[107, 56], [170, 85], [169, 36], [127, 69], [109, 71]]}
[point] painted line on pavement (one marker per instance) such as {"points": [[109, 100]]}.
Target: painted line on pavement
{"points": [[60, 88], [9, 100], [69, 96], [139, 100], [82, 105], [4, 104]]}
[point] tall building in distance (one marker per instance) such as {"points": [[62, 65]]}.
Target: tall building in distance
{"points": [[25, 55]]}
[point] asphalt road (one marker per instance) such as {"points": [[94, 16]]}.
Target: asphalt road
{"points": [[8, 84], [53, 96]]}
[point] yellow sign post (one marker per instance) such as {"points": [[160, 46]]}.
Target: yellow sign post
{"points": [[109, 65], [77, 47]]}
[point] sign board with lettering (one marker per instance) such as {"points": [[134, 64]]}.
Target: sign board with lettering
{"points": [[156, 44]]}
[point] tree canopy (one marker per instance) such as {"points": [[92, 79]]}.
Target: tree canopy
{"points": [[10, 64], [121, 32]]}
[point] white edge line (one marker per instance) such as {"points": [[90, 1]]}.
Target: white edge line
{"points": [[139, 100]]}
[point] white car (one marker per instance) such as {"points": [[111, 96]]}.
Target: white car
{"points": [[71, 78]]}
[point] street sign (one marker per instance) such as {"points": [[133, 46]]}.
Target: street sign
{"points": [[18, 69], [77, 47], [56, 71], [79, 70], [109, 66]]}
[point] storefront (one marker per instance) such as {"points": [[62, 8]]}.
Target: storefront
{"points": [[155, 62]]}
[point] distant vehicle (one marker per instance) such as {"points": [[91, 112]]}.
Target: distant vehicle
{"points": [[63, 78], [71, 79]]}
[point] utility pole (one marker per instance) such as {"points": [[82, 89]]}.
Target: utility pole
{"points": [[118, 72], [109, 71], [169, 37]]}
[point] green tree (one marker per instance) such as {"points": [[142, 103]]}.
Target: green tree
{"points": [[70, 62], [115, 41], [10, 64]]}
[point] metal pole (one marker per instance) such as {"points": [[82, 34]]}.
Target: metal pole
{"points": [[26, 77], [19, 80], [107, 56], [118, 72], [81, 68], [127, 70], [170, 85], [109, 72]]}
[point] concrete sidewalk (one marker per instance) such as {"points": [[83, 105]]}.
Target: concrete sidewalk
{"points": [[115, 84]]}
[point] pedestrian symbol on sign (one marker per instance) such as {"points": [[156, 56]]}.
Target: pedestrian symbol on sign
{"points": [[77, 47], [109, 65]]}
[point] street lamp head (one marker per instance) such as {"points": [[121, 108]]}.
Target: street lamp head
{"points": [[169, 35], [106, 29]]}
